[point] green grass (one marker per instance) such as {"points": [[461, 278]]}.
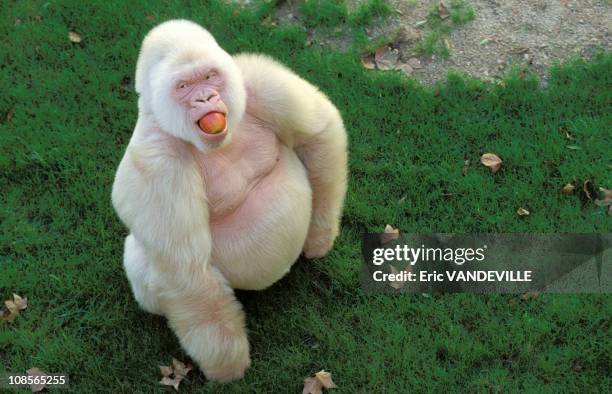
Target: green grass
{"points": [[72, 111], [332, 13], [460, 12]]}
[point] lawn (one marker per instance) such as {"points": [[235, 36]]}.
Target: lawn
{"points": [[66, 115]]}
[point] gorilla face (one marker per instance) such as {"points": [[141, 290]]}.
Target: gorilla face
{"points": [[195, 92]]}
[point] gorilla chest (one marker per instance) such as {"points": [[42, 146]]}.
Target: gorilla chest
{"points": [[234, 173]]}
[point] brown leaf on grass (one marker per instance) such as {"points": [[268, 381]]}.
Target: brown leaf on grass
{"points": [[173, 375], [492, 161], [9, 116], [21, 303], [150, 18], [414, 63], [443, 10], [7, 315], [13, 307], [36, 387], [172, 382], [523, 212], [165, 370], [389, 234], [405, 68], [386, 58], [568, 189], [180, 368], [367, 61], [315, 384], [74, 37]]}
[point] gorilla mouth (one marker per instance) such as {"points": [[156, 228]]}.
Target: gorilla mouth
{"points": [[213, 122]]}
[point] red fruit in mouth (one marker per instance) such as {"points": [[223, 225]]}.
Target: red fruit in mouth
{"points": [[212, 122]]}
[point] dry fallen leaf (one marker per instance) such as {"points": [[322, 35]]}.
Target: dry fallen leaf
{"points": [[180, 369], [74, 37], [443, 10], [21, 303], [568, 189], [389, 234], [492, 161], [315, 384], [414, 63], [36, 372], [396, 284], [606, 201], [172, 382], [165, 370], [386, 58], [523, 212], [13, 307], [367, 61], [405, 68], [172, 376], [7, 315]]}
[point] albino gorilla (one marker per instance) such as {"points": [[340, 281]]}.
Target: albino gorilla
{"points": [[236, 165]]}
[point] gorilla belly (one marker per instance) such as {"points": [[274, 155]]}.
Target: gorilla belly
{"points": [[260, 207]]}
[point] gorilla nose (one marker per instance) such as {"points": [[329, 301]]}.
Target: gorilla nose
{"points": [[207, 97]]}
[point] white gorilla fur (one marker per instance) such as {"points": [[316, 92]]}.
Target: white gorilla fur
{"points": [[180, 260]]}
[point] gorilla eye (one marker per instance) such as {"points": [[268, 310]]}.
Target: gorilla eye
{"points": [[182, 85]]}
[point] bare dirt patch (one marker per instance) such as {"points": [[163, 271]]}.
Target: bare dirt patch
{"points": [[507, 32], [504, 33]]}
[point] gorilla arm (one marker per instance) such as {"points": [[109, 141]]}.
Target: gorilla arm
{"points": [[309, 123], [159, 195]]}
